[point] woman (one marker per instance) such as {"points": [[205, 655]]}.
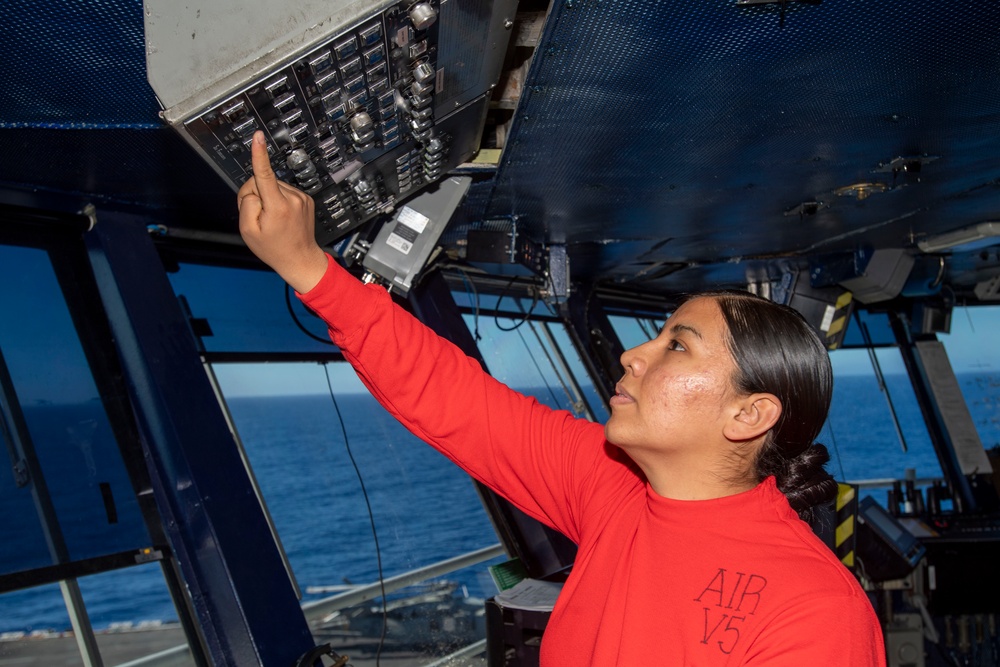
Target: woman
{"points": [[689, 551]]}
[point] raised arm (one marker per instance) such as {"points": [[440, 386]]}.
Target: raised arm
{"points": [[277, 222], [540, 459]]}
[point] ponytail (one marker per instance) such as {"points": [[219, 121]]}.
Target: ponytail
{"points": [[775, 351]]}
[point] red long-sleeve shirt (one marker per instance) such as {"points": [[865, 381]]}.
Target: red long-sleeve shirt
{"points": [[739, 580]]}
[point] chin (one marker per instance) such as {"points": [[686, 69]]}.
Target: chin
{"points": [[610, 432]]}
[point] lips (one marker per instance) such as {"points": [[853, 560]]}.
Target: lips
{"points": [[621, 396]]}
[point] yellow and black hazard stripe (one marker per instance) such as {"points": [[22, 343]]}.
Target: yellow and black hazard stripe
{"points": [[847, 513], [838, 320]]}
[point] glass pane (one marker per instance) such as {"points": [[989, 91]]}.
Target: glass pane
{"points": [[977, 366], [130, 611], [248, 311], [876, 450], [134, 615], [428, 620], [879, 329], [511, 308], [633, 332], [520, 352], [517, 356], [32, 610], [425, 509], [569, 352], [129, 598], [90, 498]]}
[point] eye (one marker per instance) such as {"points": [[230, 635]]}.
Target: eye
{"points": [[676, 346]]}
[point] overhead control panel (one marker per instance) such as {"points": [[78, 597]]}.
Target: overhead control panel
{"points": [[368, 115]]}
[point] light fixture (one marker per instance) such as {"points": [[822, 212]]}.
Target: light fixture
{"points": [[965, 239], [861, 190]]}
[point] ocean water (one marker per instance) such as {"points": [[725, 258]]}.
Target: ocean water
{"points": [[425, 509]]}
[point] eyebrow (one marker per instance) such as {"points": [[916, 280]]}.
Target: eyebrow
{"points": [[678, 328]]}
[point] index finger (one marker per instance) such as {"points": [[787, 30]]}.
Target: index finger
{"points": [[263, 175]]}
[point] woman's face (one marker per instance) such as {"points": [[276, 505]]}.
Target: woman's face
{"points": [[677, 389]]}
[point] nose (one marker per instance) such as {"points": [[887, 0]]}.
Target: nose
{"points": [[633, 360]]}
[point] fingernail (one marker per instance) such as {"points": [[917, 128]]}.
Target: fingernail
{"points": [[258, 137]]}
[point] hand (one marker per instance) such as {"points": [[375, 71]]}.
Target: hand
{"points": [[277, 222]]}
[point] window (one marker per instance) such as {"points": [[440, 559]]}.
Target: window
{"points": [[288, 418], [536, 357], [977, 366], [66, 496], [875, 432]]}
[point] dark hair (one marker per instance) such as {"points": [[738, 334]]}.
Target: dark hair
{"points": [[776, 351]]}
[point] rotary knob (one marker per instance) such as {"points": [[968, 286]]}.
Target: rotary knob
{"points": [[362, 130], [363, 187], [423, 72], [422, 126], [434, 146], [306, 174], [365, 192], [298, 159], [361, 122], [421, 89], [423, 15]]}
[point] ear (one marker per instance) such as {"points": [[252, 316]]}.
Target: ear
{"points": [[753, 416]]}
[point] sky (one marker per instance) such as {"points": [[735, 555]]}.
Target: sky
{"points": [[971, 346]]}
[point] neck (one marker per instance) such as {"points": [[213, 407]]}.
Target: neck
{"points": [[678, 479]]}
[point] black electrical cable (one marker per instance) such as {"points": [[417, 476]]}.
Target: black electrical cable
{"points": [[471, 286], [836, 450], [298, 323], [496, 312], [866, 336], [371, 517], [555, 401]]}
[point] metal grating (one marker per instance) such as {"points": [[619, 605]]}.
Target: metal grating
{"points": [[701, 123], [75, 65]]}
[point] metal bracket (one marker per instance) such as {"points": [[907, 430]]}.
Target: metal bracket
{"points": [[557, 285], [911, 164]]}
